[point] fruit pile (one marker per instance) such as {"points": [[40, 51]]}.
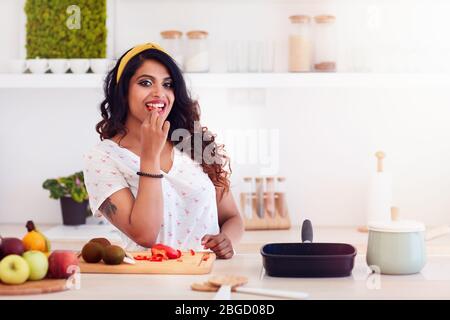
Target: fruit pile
{"points": [[31, 259], [98, 249]]}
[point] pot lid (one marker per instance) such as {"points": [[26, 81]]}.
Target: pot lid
{"points": [[396, 226]]}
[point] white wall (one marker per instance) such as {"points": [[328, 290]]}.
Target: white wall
{"points": [[334, 131]]}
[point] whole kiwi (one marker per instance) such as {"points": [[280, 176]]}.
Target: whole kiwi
{"points": [[92, 252], [113, 255], [103, 241]]}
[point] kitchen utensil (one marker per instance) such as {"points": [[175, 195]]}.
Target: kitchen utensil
{"points": [[248, 197], [398, 246], [259, 197], [264, 210], [199, 263], [129, 258], [34, 287], [380, 193], [282, 204], [270, 196], [213, 285], [308, 259], [226, 283]]}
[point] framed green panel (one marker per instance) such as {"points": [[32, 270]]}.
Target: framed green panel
{"points": [[66, 28]]}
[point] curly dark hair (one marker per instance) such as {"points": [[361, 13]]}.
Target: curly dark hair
{"points": [[185, 114]]}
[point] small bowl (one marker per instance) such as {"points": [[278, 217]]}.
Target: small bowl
{"points": [[58, 65], [37, 66], [79, 65], [100, 65], [17, 66]]}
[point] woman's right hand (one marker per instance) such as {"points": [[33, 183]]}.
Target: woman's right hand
{"points": [[154, 131]]}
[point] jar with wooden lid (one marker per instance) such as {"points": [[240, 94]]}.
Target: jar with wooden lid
{"points": [[325, 43], [197, 52], [171, 41], [300, 44]]}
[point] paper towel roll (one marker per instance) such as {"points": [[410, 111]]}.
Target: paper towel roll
{"points": [[379, 197]]}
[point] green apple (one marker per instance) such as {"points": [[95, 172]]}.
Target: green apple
{"points": [[14, 269], [38, 263]]}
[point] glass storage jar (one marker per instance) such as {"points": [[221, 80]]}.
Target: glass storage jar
{"points": [[300, 44], [172, 43], [325, 43], [197, 52]]}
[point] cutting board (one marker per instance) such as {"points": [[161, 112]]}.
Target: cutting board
{"points": [[34, 287], [187, 264]]}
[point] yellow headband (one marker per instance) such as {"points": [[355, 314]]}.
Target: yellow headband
{"points": [[136, 50]]}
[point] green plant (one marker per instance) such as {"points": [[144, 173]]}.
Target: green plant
{"points": [[49, 35], [71, 186]]}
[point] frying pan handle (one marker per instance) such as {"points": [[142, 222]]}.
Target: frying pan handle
{"points": [[307, 231]]}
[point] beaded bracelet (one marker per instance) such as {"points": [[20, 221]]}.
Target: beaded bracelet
{"points": [[151, 175]]}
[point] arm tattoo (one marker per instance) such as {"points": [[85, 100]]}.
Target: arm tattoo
{"points": [[108, 208]]}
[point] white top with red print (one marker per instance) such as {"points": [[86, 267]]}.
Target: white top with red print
{"points": [[190, 208]]}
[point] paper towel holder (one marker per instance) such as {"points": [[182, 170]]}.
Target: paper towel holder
{"points": [[380, 156]]}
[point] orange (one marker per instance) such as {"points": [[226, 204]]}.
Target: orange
{"points": [[34, 241]]}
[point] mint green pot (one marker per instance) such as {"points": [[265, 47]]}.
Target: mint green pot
{"points": [[396, 252]]}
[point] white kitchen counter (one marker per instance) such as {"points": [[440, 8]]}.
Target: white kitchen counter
{"points": [[432, 283]]}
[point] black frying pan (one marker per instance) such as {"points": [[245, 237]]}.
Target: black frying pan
{"points": [[308, 259]]}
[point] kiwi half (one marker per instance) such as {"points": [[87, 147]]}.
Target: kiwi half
{"points": [[113, 255], [92, 252], [103, 241]]}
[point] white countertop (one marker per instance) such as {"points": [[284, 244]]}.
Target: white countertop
{"points": [[432, 283]]}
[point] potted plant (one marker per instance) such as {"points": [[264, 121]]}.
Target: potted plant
{"points": [[73, 195]]}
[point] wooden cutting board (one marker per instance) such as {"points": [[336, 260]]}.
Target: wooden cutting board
{"points": [[200, 263], [34, 287]]}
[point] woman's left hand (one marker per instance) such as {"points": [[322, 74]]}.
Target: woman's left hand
{"points": [[220, 244]]}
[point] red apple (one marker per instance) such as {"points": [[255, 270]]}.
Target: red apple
{"points": [[62, 264], [11, 246]]}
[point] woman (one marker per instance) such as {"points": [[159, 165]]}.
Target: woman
{"points": [[150, 188]]}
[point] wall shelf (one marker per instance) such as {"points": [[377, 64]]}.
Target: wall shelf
{"points": [[241, 80]]}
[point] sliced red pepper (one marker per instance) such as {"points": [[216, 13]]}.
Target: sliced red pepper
{"points": [[205, 257], [166, 251], [156, 258], [179, 253], [192, 252], [159, 253], [141, 258]]}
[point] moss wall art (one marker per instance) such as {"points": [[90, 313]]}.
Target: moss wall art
{"points": [[66, 28]]}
